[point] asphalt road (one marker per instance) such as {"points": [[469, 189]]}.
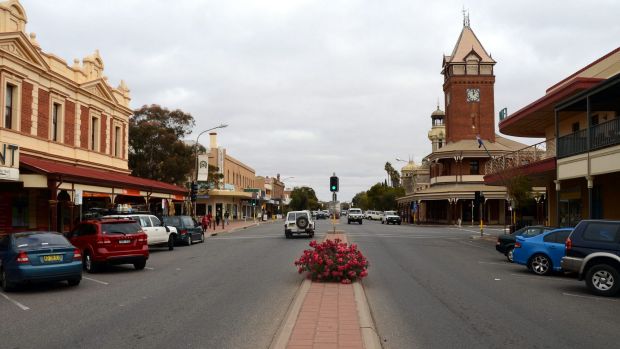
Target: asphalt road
{"points": [[230, 292], [435, 287]]}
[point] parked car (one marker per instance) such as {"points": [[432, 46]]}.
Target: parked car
{"points": [[593, 251], [355, 215], [38, 256], [188, 230], [390, 217], [505, 243], [375, 215], [321, 215], [542, 253], [299, 222], [158, 234], [112, 241]]}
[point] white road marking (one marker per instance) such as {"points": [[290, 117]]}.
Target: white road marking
{"points": [[590, 297], [149, 268], [496, 279], [470, 244], [178, 268], [547, 278], [21, 306], [481, 262], [95, 280]]}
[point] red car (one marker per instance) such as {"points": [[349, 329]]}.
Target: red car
{"points": [[112, 241]]}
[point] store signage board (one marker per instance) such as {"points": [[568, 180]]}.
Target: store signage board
{"points": [[203, 168], [9, 162]]}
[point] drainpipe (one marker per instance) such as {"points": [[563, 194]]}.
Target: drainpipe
{"points": [[589, 176], [557, 180]]}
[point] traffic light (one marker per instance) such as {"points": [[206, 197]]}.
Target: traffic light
{"points": [[253, 202], [333, 184], [194, 191]]}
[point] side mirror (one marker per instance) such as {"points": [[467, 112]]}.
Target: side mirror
{"points": [[167, 229]]}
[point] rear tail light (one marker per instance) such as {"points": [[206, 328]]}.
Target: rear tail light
{"points": [[22, 258], [517, 245], [183, 232], [568, 244], [77, 254], [103, 241], [142, 238]]}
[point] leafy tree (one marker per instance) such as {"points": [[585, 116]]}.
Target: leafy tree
{"points": [[519, 188], [393, 175], [383, 198], [303, 198], [156, 149], [360, 200]]}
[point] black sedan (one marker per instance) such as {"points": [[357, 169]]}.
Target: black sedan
{"points": [[506, 243]]}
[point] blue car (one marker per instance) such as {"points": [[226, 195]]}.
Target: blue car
{"points": [[39, 256], [542, 253]]}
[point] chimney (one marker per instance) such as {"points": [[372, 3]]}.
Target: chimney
{"points": [[213, 140]]}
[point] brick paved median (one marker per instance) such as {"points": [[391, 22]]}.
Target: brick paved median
{"points": [[328, 317]]}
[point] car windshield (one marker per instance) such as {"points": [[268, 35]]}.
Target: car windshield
{"points": [[121, 228], [529, 232], [173, 220], [390, 213], [33, 240], [188, 222], [355, 211]]}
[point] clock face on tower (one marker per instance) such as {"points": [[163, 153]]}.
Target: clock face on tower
{"points": [[473, 95]]}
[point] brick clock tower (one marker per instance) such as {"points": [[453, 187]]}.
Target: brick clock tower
{"points": [[468, 89]]}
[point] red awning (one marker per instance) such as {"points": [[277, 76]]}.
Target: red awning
{"points": [[88, 175]]}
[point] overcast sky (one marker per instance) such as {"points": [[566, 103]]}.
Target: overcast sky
{"points": [[314, 87]]}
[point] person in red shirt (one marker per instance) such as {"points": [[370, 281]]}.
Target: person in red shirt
{"points": [[206, 221]]}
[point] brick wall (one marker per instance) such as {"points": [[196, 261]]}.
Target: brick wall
{"points": [[43, 123], [459, 113], [102, 136], [26, 112], [69, 122], [84, 124]]}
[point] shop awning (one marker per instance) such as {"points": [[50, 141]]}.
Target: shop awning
{"points": [[89, 175]]}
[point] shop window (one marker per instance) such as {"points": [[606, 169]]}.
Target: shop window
{"points": [[9, 107], [20, 211], [474, 167], [56, 124]]}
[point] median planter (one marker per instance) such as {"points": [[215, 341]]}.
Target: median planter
{"points": [[333, 260]]}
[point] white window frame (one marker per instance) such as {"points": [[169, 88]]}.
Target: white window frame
{"points": [[117, 146], [16, 108], [94, 135], [60, 136]]}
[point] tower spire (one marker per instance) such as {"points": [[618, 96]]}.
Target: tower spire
{"points": [[465, 17]]}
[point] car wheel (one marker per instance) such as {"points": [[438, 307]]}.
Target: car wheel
{"points": [[89, 265], [348, 222], [603, 280], [398, 223], [202, 237], [140, 265], [74, 282], [288, 235], [361, 222], [4, 282], [510, 254], [170, 243], [382, 222], [311, 234], [189, 239], [540, 264]]}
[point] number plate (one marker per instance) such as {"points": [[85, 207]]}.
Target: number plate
{"points": [[52, 258], [124, 241]]}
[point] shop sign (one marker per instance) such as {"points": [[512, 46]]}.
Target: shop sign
{"points": [[9, 162], [203, 168]]}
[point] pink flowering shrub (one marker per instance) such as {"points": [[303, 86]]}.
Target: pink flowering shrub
{"points": [[333, 261]]}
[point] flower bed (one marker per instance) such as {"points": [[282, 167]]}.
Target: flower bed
{"points": [[333, 261]]}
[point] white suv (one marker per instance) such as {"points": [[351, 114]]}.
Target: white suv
{"points": [[299, 222], [157, 233]]}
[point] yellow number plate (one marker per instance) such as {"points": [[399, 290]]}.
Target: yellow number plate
{"points": [[52, 258]]}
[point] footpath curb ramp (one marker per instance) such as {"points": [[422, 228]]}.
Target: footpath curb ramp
{"points": [[328, 315]]}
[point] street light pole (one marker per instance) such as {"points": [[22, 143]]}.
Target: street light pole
{"points": [[196, 155]]}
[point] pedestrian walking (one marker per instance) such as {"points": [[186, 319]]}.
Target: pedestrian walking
{"points": [[218, 218], [205, 223], [226, 217]]}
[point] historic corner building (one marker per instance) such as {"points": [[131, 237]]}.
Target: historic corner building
{"points": [[63, 137], [579, 160], [443, 187]]}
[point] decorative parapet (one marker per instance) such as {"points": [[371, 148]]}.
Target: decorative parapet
{"points": [[528, 155]]}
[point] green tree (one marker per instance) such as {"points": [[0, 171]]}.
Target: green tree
{"points": [[303, 198], [156, 149], [381, 197], [360, 200]]}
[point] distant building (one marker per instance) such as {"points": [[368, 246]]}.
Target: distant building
{"points": [[63, 137], [455, 164]]}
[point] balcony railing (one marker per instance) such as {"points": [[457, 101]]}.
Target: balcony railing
{"points": [[602, 135], [574, 143], [533, 153]]}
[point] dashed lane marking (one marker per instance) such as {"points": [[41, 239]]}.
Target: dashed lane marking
{"points": [[21, 306], [496, 263], [544, 278], [149, 268], [95, 280]]}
